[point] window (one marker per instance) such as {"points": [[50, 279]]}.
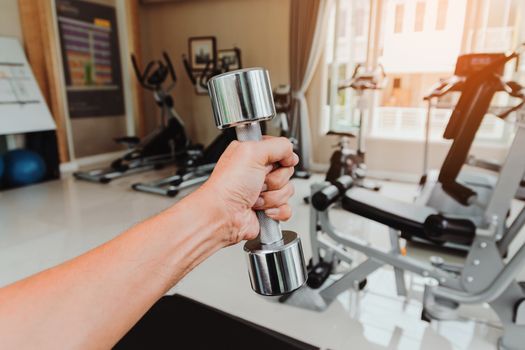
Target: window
{"points": [[360, 24], [346, 47], [441, 19], [496, 33], [420, 16], [400, 13], [413, 65]]}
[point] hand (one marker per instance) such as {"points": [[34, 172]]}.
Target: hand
{"points": [[246, 179]]}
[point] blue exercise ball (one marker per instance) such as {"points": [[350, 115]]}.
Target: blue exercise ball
{"points": [[23, 167]]}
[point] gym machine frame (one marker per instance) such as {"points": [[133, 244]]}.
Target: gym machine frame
{"points": [[441, 190], [485, 276]]}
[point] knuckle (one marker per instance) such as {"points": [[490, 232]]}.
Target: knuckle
{"points": [[273, 182], [291, 189], [281, 181], [291, 171], [278, 179], [290, 146], [286, 142], [286, 212], [246, 150], [268, 198]]}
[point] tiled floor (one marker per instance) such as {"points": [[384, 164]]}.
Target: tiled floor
{"points": [[46, 224]]}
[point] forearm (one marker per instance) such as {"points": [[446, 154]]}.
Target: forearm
{"points": [[124, 277]]}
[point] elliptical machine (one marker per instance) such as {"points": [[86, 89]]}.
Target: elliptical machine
{"points": [[198, 168], [167, 144]]}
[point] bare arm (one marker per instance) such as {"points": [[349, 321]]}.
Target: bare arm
{"points": [[93, 300]]}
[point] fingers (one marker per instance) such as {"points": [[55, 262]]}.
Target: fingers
{"points": [[277, 150], [278, 178], [274, 199], [291, 161], [282, 213]]}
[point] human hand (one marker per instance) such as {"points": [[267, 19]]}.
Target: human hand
{"points": [[246, 179]]}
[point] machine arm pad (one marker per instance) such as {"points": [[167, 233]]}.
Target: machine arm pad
{"points": [[321, 200], [440, 228]]}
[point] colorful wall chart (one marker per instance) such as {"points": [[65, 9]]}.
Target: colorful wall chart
{"points": [[90, 53]]}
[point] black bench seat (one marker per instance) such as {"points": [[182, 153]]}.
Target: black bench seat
{"points": [[406, 217], [409, 218]]}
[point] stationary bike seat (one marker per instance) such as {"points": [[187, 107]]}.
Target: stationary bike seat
{"points": [[340, 133]]}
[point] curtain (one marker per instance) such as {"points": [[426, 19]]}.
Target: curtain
{"points": [[308, 26]]}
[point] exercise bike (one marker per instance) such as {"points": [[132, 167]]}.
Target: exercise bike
{"points": [[486, 276], [167, 144], [199, 168], [345, 160]]}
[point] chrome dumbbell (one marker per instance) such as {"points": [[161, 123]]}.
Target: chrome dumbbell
{"points": [[242, 99]]}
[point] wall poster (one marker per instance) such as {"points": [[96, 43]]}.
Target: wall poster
{"points": [[91, 58]]}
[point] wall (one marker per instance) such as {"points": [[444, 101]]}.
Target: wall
{"points": [[259, 27], [9, 26], [10, 19]]}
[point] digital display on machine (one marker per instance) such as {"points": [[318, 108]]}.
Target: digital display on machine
{"points": [[470, 63]]}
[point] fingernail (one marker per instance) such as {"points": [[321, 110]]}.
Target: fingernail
{"points": [[272, 211], [259, 202], [264, 188], [296, 157]]}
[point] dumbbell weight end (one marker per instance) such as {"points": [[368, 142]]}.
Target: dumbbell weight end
{"points": [[276, 269]]}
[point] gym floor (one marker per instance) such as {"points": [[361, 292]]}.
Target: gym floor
{"points": [[84, 215]]}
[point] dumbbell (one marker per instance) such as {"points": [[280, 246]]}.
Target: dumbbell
{"points": [[242, 99]]}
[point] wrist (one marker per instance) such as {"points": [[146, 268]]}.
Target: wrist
{"points": [[213, 213], [189, 232]]}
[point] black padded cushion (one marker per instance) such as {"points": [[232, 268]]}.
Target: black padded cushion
{"points": [[340, 133], [406, 217], [177, 322]]}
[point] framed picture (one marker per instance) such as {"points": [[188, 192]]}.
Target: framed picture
{"points": [[230, 58], [202, 50]]}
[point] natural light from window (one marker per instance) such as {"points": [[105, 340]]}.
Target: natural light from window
{"points": [[417, 42]]}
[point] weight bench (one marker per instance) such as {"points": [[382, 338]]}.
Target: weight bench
{"points": [[484, 276], [408, 218]]}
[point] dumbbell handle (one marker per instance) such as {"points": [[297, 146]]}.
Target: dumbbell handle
{"points": [[270, 231]]}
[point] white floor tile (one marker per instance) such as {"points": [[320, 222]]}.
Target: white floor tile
{"points": [[45, 224]]}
